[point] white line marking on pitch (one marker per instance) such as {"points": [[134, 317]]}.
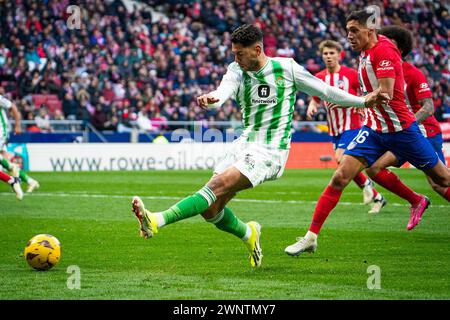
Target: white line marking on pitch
{"points": [[87, 195]]}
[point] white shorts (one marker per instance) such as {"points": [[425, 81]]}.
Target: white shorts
{"points": [[257, 162]]}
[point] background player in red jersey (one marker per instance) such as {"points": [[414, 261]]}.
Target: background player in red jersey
{"points": [[388, 126], [419, 98], [343, 123]]}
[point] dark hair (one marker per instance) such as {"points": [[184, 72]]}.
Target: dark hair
{"points": [[362, 16], [247, 35], [402, 36]]}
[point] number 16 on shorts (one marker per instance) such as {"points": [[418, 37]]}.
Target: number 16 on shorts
{"points": [[360, 138]]}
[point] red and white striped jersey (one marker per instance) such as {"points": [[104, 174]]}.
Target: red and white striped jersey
{"points": [[341, 119], [416, 89], [384, 61]]}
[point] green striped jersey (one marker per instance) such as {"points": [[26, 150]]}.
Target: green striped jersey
{"points": [[5, 104], [267, 98]]}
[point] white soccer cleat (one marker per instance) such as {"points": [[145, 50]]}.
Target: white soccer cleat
{"points": [[32, 185], [377, 204], [303, 244], [17, 188], [368, 192]]}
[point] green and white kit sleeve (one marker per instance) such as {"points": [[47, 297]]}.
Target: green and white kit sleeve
{"points": [[313, 86], [228, 86], [5, 103]]}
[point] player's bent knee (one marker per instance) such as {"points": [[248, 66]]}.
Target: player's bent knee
{"points": [[340, 180]]}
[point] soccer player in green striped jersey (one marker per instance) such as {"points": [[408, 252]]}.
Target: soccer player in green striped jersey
{"points": [[265, 89], [5, 106]]}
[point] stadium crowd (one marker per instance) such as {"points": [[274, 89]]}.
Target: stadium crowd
{"points": [[126, 64]]}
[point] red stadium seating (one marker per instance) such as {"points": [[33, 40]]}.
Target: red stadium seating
{"points": [[54, 105], [51, 100]]}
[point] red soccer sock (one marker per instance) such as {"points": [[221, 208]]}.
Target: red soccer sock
{"points": [[327, 201], [360, 179], [447, 194], [375, 193], [4, 177], [390, 181]]}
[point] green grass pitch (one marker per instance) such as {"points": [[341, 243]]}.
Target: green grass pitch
{"points": [[90, 214]]}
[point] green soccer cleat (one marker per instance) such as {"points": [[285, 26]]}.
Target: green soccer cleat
{"points": [[253, 245], [148, 225]]}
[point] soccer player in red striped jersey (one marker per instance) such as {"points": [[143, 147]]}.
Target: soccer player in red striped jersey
{"points": [[343, 123], [389, 126], [419, 99]]}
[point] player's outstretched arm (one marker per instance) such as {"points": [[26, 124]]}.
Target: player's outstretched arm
{"points": [[206, 99], [372, 99], [226, 90], [313, 86]]}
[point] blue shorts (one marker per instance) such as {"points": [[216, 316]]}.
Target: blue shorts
{"points": [[436, 142], [408, 144], [343, 140]]}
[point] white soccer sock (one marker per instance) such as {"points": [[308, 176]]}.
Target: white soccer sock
{"points": [[310, 235], [248, 234], [160, 219]]}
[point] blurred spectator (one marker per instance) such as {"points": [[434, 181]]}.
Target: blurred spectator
{"points": [[70, 106], [143, 121], [99, 118], [42, 119]]}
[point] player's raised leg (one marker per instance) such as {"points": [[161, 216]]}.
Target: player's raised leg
{"points": [[209, 201], [349, 167], [228, 182], [188, 207]]}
